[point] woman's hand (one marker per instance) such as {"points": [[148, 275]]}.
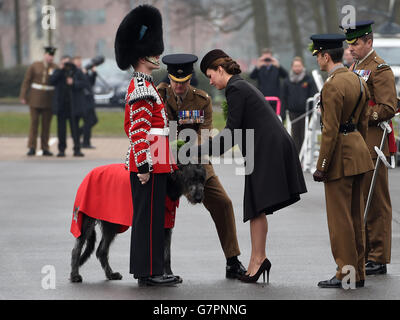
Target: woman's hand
{"points": [[143, 177]]}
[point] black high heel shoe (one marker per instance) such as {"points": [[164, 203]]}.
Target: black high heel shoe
{"points": [[265, 266]]}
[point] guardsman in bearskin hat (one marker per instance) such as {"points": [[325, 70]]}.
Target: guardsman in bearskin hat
{"points": [[191, 108], [139, 44], [383, 104], [38, 94], [343, 159]]}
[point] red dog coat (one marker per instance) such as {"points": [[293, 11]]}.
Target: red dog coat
{"points": [[105, 194]]}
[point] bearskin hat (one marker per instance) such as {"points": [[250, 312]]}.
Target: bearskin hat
{"points": [[139, 35]]}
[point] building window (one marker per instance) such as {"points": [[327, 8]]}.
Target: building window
{"points": [[84, 17], [70, 49], [38, 22], [7, 18], [101, 47]]}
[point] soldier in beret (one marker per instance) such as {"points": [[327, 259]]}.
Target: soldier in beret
{"points": [[192, 108], [38, 94], [344, 157], [382, 107]]}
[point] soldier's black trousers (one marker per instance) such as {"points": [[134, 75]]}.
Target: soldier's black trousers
{"points": [[89, 121], [62, 132], [147, 234]]}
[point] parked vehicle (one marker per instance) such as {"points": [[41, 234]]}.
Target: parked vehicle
{"points": [[111, 84], [389, 49]]}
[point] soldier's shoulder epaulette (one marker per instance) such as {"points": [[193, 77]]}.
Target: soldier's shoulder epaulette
{"points": [[201, 93], [382, 66], [142, 90], [380, 62], [162, 86], [330, 78]]}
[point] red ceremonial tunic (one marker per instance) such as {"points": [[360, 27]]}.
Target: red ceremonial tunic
{"points": [[146, 125]]}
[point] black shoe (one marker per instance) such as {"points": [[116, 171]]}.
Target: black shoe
{"points": [[178, 278], [235, 270], [31, 152], [373, 268], [159, 281], [360, 284], [336, 283], [332, 283], [61, 154], [47, 153], [87, 146], [78, 154]]}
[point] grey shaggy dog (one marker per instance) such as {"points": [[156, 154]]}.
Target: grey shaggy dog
{"points": [[189, 181]]}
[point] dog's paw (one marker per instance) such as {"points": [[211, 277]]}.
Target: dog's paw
{"points": [[115, 276], [76, 278]]}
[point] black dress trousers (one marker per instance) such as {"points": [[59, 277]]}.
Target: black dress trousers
{"points": [[147, 234], [62, 132]]}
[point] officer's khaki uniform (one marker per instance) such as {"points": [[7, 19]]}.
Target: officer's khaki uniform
{"points": [[39, 96], [215, 200], [345, 158], [381, 84]]}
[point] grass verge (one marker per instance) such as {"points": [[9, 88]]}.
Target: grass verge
{"points": [[111, 124]]}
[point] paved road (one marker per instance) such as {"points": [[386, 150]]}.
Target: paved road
{"points": [[36, 199]]}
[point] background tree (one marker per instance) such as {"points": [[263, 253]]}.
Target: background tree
{"points": [[18, 51], [317, 15], [261, 28], [230, 16], [1, 55], [331, 15], [396, 10], [294, 28]]}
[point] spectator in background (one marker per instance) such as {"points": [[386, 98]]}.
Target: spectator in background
{"points": [[38, 94], [89, 114], [297, 88], [347, 58], [268, 73], [68, 103]]}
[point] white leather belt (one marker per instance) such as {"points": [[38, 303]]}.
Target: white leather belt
{"points": [[159, 131], [42, 87]]}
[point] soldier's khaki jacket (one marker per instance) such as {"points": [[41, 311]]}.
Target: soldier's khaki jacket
{"points": [[38, 73], [343, 155], [195, 99], [381, 84]]}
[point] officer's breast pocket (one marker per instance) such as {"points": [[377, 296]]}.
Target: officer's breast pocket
{"points": [[191, 117]]}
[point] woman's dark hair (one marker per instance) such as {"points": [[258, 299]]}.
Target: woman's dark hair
{"points": [[228, 64]]}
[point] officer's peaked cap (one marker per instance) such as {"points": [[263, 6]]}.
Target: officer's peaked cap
{"points": [[180, 66]]}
